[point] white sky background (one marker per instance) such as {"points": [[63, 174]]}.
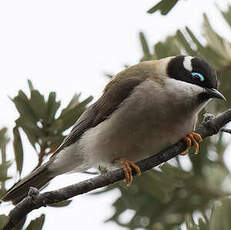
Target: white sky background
{"points": [[66, 46]]}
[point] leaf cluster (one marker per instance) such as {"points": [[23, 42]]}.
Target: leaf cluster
{"points": [[44, 124]]}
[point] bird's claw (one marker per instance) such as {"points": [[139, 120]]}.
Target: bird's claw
{"points": [[127, 167], [192, 139]]}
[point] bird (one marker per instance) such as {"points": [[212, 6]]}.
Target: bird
{"points": [[144, 109]]}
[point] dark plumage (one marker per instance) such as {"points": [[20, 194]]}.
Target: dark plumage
{"points": [[176, 71]]}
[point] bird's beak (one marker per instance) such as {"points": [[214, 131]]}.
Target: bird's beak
{"points": [[213, 93]]}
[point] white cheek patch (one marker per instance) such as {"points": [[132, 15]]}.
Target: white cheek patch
{"points": [[187, 63]]}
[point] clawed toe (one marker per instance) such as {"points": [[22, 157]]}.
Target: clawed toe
{"points": [[127, 166], [192, 139]]}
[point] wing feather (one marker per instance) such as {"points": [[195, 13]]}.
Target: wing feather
{"points": [[114, 94]]}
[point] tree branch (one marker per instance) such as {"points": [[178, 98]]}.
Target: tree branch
{"points": [[35, 200]]}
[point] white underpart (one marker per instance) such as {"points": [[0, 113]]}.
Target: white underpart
{"points": [[187, 63]]}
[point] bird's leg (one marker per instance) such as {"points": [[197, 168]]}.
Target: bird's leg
{"points": [[103, 170], [127, 166], [192, 139]]}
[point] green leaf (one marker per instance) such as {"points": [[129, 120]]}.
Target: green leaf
{"points": [[197, 43], [3, 170], [145, 47], [227, 15], [18, 149], [52, 106], [3, 220], [61, 204], [164, 6], [160, 50], [31, 87], [190, 224], [3, 138], [37, 223], [32, 131], [167, 48], [23, 106], [205, 52], [220, 216], [74, 102], [23, 95], [72, 113], [38, 105], [174, 172], [218, 43], [32, 127], [52, 141], [203, 225], [176, 228], [180, 37]]}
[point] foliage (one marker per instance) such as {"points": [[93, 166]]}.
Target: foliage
{"points": [[4, 163], [3, 220], [39, 121], [37, 223], [169, 196], [44, 124], [164, 6]]}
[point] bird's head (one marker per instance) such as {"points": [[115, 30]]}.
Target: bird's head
{"points": [[195, 71]]}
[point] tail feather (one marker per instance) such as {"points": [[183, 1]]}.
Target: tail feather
{"points": [[38, 178]]}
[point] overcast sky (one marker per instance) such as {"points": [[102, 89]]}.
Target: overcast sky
{"points": [[66, 46]]}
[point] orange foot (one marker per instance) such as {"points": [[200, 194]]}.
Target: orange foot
{"points": [[127, 167], [192, 139]]}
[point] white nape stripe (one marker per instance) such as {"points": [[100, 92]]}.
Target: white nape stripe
{"points": [[187, 63]]}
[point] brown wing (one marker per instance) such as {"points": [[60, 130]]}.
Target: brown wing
{"points": [[114, 94]]}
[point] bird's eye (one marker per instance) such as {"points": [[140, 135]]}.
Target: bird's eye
{"points": [[198, 76]]}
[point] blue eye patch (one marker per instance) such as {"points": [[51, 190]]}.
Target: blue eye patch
{"points": [[198, 75]]}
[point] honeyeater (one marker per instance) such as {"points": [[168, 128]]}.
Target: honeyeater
{"points": [[143, 110]]}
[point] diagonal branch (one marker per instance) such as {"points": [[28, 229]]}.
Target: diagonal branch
{"points": [[35, 200]]}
